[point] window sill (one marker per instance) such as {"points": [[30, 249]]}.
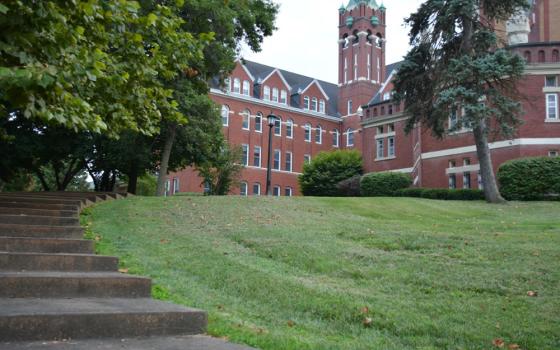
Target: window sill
{"points": [[459, 132], [550, 120], [385, 158]]}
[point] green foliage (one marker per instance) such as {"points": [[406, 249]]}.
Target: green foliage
{"points": [[350, 187], [321, 176], [530, 179], [146, 185], [222, 171], [93, 65], [442, 194], [384, 183]]}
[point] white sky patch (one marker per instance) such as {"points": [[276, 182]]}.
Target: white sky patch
{"points": [[306, 39]]}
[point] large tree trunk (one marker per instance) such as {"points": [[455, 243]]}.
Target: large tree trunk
{"points": [[132, 180], [491, 191], [164, 164]]}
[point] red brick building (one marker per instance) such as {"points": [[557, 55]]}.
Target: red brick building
{"points": [[358, 112]]}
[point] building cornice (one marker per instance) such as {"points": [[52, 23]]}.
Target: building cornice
{"points": [[373, 122]]}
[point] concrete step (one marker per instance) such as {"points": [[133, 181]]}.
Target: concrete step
{"points": [[46, 245], [55, 319], [189, 342], [56, 262], [39, 220], [37, 284], [38, 212], [41, 206], [91, 196], [42, 231], [41, 200]]}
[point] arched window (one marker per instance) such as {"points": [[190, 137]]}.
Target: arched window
{"points": [[369, 37], [542, 56], [307, 132], [246, 87], [290, 129], [527, 56], [314, 104], [243, 189], [237, 85], [319, 134], [356, 37], [225, 115], [555, 56], [246, 120], [322, 106], [335, 138], [275, 94], [379, 40], [306, 102], [345, 43], [278, 126], [350, 137], [266, 93], [258, 122]]}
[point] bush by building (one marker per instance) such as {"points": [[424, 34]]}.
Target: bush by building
{"points": [[530, 179], [442, 194], [321, 176], [350, 187], [383, 184]]}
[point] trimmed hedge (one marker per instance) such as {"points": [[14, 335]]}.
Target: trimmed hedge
{"points": [[327, 169], [383, 184], [350, 187], [442, 194], [530, 179]]}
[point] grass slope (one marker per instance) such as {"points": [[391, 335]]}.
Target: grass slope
{"points": [[304, 273]]}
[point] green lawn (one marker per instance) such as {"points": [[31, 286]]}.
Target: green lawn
{"points": [[304, 273]]}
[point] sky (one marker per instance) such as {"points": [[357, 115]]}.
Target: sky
{"points": [[306, 39]]}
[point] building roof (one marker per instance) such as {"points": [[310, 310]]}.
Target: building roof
{"points": [[391, 69], [354, 3]]}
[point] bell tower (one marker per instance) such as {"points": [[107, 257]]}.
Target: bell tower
{"points": [[361, 47]]}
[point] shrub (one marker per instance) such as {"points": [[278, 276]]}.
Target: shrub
{"points": [[350, 187], [442, 194], [384, 184], [321, 176], [530, 179], [146, 185]]}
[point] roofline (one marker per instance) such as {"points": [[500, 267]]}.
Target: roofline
{"points": [[276, 70], [245, 69], [315, 81]]}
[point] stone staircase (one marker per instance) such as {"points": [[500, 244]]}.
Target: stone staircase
{"points": [[55, 293]]}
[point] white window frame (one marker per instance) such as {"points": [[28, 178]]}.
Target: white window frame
{"points": [[314, 104], [225, 115], [246, 88], [306, 158], [175, 185], [322, 105], [307, 132], [277, 127], [452, 181], [236, 86], [246, 121], [391, 147], [552, 104], [555, 81], [355, 66], [258, 193], [257, 149], [284, 97], [306, 102], [345, 69], [266, 93], [288, 192], [227, 83], [453, 120], [241, 191], [258, 122], [289, 161], [290, 129], [245, 150], [319, 135], [349, 107], [279, 153], [380, 148], [276, 191], [369, 66], [336, 138], [467, 180], [553, 153], [350, 137], [275, 95]]}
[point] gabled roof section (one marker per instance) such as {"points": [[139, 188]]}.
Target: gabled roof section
{"points": [[245, 69], [276, 70], [391, 71], [315, 81]]}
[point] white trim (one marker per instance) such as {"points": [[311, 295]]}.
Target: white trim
{"points": [[493, 145], [385, 158], [404, 170], [555, 107], [275, 105], [372, 122], [315, 81], [246, 70], [260, 155], [291, 160], [551, 89], [274, 170], [382, 136], [276, 70], [463, 169]]}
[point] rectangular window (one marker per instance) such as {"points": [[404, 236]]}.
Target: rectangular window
{"points": [[277, 127], [257, 157], [276, 191], [258, 123], [236, 86], [350, 138], [306, 158], [346, 70], [267, 93], [307, 133], [288, 192], [284, 97], [322, 106], [452, 181], [551, 106], [369, 66], [243, 189], [452, 164], [319, 135], [256, 189], [350, 109], [277, 157], [391, 142], [306, 102], [245, 158], [380, 130], [391, 128], [275, 94], [246, 87], [314, 104], [246, 120], [335, 138], [356, 67], [453, 120], [380, 150], [466, 161], [288, 161], [550, 81], [553, 153], [467, 180], [227, 83], [289, 129], [175, 185]]}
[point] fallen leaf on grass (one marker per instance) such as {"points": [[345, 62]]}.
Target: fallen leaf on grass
{"points": [[97, 238], [364, 310], [498, 342], [513, 347], [164, 241], [123, 270], [291, 323], [367, 322], [532, 293]]}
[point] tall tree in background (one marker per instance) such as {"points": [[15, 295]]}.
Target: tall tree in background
{"points": [[233, 22], [456, 64]]}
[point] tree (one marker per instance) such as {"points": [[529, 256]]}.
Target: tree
{"points": [[223, 171], [455, 64]]}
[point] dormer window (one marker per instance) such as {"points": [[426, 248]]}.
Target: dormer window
{"points": [[246, 87], [266, 93], [227, 83], [322, 106], [284, 97], [275, 94], [236, 86], [386, 96], [314, 104], [306, 102]]}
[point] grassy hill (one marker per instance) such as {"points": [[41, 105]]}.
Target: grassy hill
{"points": [[324, 273]]}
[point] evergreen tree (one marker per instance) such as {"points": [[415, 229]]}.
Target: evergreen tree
{"points": [[458, 64]]}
